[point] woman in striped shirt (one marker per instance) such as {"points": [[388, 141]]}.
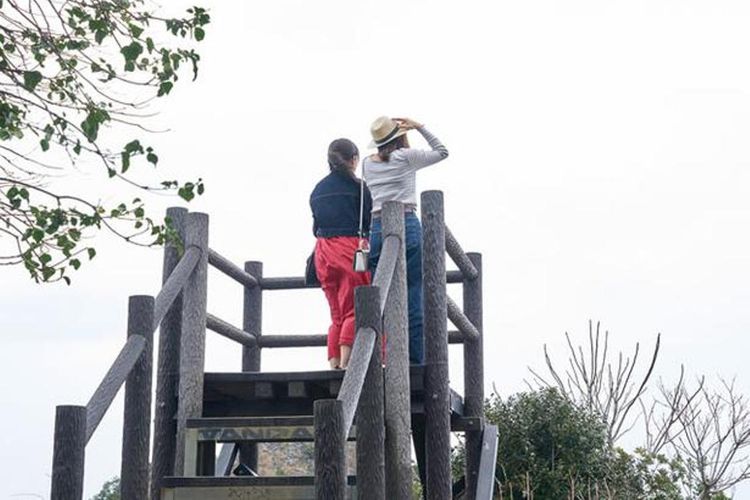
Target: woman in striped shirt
{"points": [[391, 175]]}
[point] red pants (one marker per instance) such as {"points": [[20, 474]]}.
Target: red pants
{"points": [[333, 263]]}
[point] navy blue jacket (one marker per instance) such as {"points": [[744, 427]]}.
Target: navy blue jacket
{"points": [[335, 206]]}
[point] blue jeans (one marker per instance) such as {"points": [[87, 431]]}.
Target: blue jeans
{"points": [[413, 278]]}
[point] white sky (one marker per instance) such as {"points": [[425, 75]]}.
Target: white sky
{"points": [[599, 161]]}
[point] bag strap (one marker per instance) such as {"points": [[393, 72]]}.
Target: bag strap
{"points": [[360, 233]]}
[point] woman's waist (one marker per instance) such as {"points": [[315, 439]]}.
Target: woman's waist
{"points": [[409, 208]]}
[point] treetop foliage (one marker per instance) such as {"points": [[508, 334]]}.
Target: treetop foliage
{"points": [[72, 72]]}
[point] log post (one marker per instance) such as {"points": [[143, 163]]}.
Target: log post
{"points": [[437, 390], [69, 453], [136, 428], [330, 451], [397, 390], [252, 321], [168, 369], [473, 374], [193, 345], [370, 420]]}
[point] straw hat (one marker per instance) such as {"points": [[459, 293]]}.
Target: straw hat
{"points": [[383, 131]]}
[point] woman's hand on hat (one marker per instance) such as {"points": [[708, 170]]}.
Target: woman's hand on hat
{"points": [[407, 123]]}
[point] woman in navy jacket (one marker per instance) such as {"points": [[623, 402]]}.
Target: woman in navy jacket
{"points": [[335, 204]]}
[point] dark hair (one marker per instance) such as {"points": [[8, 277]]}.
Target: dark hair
{"points": [[384, 151], [340, 153]]}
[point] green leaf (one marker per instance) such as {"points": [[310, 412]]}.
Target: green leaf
{"points": [[37, 234], [164, 88], [99, 36], [45, 144], [31, 79], [66, 280], [152, 158], [45, 258], [125, 156], [132, 51], [91, 252], [199, 34], [75, 263], [47, 273], [135, 30]]}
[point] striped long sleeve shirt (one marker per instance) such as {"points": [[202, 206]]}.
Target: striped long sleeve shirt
{"points": [[396, 179]]}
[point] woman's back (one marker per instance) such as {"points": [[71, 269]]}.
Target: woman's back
{"points": [[396, 179]]}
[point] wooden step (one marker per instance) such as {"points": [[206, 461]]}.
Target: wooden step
{"points": [[244, 488], [253, 429], [258, 394]]}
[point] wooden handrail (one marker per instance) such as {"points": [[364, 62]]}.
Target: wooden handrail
{"points": [[354, 378], [175, 283], [386, 267], [230, 269], [298, 282], [230, 331], [458, 256], [112, 381], [459, 319]]}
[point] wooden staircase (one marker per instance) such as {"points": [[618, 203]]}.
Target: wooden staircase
{"points": [[383, 407], [257, 407]]}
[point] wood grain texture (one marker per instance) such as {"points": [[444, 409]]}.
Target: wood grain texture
{"points": [[252, 321], [193, 345], [136, 429], [473, 373], [227, 267], [437, 391], [230, 331], [459, 319], [370, 412], [68, 455], [175, 283], [459, 257], [397, 389], [112, 381], [330, 452], [168, 368]]}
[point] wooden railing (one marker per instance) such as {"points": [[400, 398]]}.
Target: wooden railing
{"points": [[180, 310], [75, 425]]}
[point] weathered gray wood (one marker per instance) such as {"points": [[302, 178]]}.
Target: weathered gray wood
{"points": [[112, 381], [454, 277], [330, 452], [252, 321], [437, 390], [229, 331], [168, 369], [175, 283], [230, 269], [487, 464], [275, 341], [193, 345], [370, 412], [298, 282], [386, 265], [285, 283], [456, 337], [136, 429], [473, 373], [459, 256], [397, 390], [68, 456], [354, 377], [459, 319]]}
